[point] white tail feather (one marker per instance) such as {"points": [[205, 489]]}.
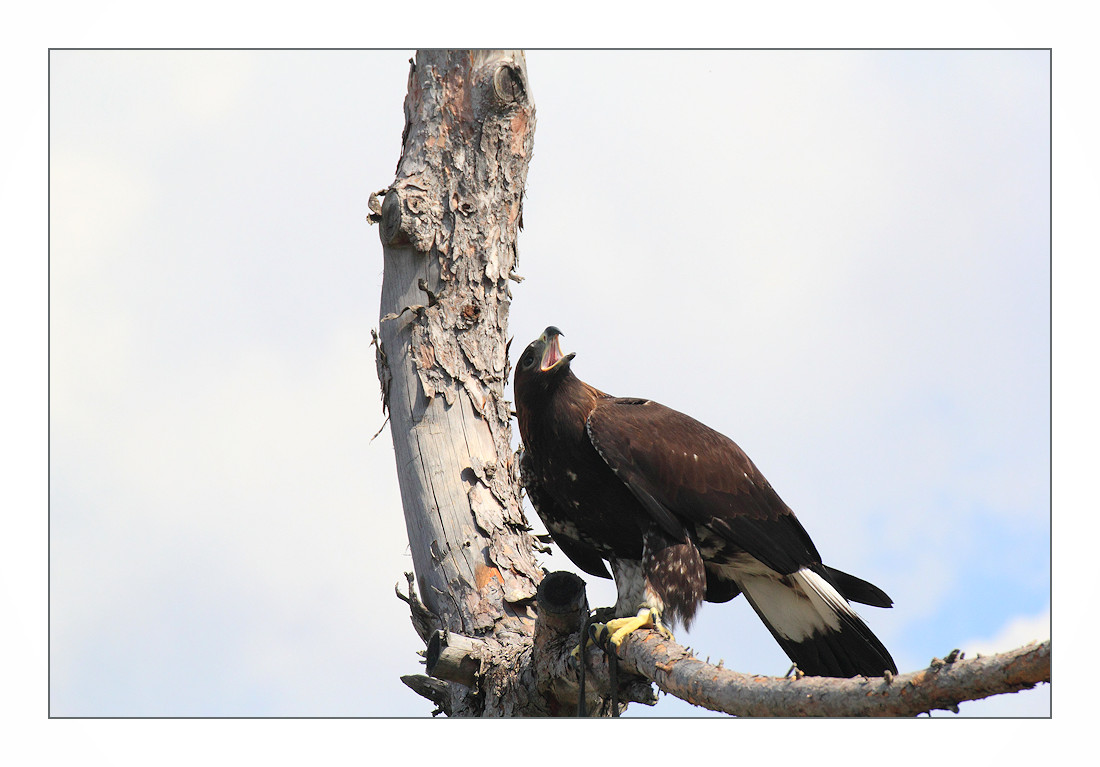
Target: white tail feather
{"points": [[797, 606]]}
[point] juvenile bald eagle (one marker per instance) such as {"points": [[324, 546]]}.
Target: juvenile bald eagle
{"points": [[681, 515]]}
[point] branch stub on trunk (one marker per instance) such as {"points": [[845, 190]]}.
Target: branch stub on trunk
{"points": [[391, 231]]}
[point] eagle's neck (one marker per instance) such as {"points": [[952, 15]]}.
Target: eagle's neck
{"points": [[558, 416]]}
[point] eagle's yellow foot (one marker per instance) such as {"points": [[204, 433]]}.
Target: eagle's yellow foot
{"points": [[614, 631]]}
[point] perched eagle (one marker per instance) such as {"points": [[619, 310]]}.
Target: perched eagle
{"points": [[682, 516]]}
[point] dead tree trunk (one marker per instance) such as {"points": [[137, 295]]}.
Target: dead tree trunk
{"points": [[448, 225]]}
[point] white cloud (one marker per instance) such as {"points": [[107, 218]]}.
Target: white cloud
{"points": [[1016, 633]]}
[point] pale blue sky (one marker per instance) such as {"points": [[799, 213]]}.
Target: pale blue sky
{"points": [[839, 259]]}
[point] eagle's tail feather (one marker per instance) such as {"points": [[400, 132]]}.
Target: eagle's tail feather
{"points": [[856, 589], [816, 626]]}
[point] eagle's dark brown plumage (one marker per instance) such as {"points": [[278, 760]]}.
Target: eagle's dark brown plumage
{"points": [[682, 516]]}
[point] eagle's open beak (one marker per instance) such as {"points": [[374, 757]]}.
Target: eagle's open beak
{"points": [[552, 355]]}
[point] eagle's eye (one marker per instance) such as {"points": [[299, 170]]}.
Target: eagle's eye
{"points": [[528, 360]]}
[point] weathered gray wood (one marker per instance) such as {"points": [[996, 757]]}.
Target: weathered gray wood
{"points": [[454, 658], [448, 228], [433, 689]]}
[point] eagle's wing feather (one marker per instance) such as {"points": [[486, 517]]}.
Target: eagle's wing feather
{"points": [[583, 556], [684, 472], [555, 519]]}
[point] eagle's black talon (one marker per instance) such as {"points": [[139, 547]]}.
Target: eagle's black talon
{"points": [[595, 627], [599, 634]]}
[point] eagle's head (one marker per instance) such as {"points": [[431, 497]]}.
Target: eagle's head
{"points": [[542, 366]]}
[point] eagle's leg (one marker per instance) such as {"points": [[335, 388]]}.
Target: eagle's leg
{"points": [[670, 577]]}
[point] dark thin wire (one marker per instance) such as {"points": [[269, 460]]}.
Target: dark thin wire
{"points": [[582, 707], [613, 674]]}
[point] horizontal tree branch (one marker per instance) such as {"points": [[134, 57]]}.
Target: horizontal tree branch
{"points": [[943, 685]]}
